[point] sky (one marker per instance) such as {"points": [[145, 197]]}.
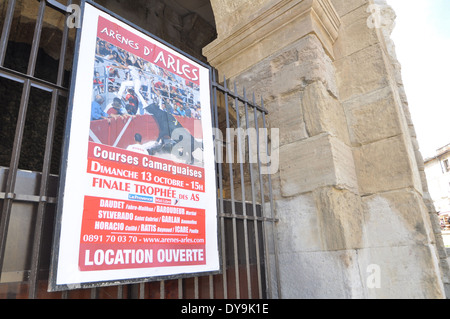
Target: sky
{"points": [[422, 40]]}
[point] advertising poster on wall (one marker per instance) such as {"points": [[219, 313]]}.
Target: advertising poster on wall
{"points": [[138, 194]]}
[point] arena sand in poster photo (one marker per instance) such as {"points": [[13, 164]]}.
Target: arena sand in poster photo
{"points": [[138, 193]]}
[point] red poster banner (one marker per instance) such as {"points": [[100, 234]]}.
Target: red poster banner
{"points": [[129, 41], [142, 230], [110, 162]]}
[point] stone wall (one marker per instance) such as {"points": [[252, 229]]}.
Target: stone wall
{"points": [[355, 216]]}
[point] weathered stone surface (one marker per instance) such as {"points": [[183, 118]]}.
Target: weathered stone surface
{"points": [[406, 272], [362, 72], [290, 70], [323, 113], [319, 161], [349, 193], [289, 119], [300, 211], [399, 218], [385, 165], [269, 31], [355, 34], [372, 117], [327, 219], [230, 13], [344, 7], [340, 218], [302, 63], [321, 274]]}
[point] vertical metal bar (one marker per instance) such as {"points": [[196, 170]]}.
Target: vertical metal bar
{"points": [[11, 182], [133, 291], [40, 217], [211, 287], [180, 288], [261, 185], [6, 30], [62, 56], [211, 278], [274, 216], [94, 293], [241, 150], [162, 290], [36, 39], [120, 292], [35, 262], [196, 290], [220, 191], [230, 161], [12, 174], [252, 181], [142, 291]]}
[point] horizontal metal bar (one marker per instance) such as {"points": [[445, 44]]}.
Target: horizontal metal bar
{"points": [[56, 5], [248, 217], [29, 198], [240, 98], [35, 82]]}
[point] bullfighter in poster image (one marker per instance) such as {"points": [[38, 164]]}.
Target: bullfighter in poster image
{"points": [[161, 106]]}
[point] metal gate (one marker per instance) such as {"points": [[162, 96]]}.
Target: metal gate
{"points": [[35, 109]]}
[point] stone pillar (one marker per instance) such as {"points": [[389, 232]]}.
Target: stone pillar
{"points": [[348, 192], [401, 231]]}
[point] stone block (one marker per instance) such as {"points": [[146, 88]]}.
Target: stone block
{"points": [[345, 7], [355, 34], [362, 72], [405, 272], [301, 63], [274, 28], [298, 229], [288, 118], [340, 218], [386, 165], [372, 117], [316, 162], [320, 274], [396, 218], [323, 113], [327, 219]]}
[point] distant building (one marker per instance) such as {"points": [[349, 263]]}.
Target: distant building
{"points": [[437, 169]]}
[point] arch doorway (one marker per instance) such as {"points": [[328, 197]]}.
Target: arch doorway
{"points": [[36, 53]]}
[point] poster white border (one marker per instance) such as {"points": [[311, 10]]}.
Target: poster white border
{"points": [[65, 272]]}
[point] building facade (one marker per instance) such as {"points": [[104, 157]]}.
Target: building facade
{"points": [[437, 169], [354, 215]]}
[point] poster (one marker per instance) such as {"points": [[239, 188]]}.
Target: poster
{"points": [[138, 193]]}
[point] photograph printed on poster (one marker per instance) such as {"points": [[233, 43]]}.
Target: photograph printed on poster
{"points": [[141, 107]]}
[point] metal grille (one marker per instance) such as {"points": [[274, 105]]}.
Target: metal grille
{"points": [[28, 199]]}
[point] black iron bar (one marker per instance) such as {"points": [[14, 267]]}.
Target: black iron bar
{"points": [[6, 30]]}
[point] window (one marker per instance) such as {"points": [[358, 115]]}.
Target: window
{"points": [[446, 165]]}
